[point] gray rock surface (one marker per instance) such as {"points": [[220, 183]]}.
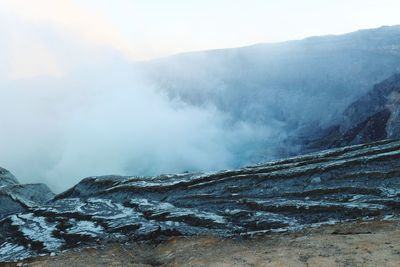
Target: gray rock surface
{"points": [[15, 197], [6, 178], [351, 183]]}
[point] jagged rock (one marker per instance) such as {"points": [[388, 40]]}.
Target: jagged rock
{"points": [[375, 116], [6, 178], [15, 197], [9, 205], [355, 182], [29, 194], [383, 97]]}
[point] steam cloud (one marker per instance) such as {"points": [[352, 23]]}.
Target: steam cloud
{"points": [[192, 112], [99, 122]]}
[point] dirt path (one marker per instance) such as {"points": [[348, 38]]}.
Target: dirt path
{"points": [[361, 244]]}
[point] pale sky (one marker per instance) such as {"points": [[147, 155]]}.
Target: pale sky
{"points": [[146, 29]]}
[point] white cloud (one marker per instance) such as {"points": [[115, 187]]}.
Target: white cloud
{"points": [[96, 123]]}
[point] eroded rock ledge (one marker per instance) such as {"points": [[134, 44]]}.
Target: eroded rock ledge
{"points": [[356, 182]]}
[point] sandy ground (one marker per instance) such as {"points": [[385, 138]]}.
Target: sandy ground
{"points": [[357, 244]]}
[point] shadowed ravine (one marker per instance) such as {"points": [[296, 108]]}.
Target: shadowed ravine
{"points": [[356, 182]]}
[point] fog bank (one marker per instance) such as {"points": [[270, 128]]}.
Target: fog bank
{"points": [[112, 121]]}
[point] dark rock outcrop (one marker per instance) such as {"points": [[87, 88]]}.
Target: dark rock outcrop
{"points": [[356, 182], [15, 197], [6, 178], [375, 116]]}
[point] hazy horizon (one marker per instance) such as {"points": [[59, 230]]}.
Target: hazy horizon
{"points": [[142, 30]]}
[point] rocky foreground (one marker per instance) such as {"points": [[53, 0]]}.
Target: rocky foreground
{"points": [[351, 244], [351, 183]]}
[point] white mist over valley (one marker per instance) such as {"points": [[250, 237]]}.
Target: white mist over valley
{"points": [[71, 109]]}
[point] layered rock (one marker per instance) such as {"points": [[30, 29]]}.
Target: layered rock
{"points": [[6, 178], [15, 197], [356, 182]]}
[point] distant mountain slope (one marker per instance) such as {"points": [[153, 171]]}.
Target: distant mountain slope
{"points": [[294, 86], [375, 116], [255, 104]]}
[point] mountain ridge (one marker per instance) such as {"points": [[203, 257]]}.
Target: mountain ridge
{"points": [[308, 38], [292, 86]]}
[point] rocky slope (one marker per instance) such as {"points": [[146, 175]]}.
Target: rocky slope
{"points": [[15, 197], [283, 90], [284, 82], [375, 116], [356, 182]]}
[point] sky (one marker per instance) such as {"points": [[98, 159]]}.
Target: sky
{"points": [[154, 28]]}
